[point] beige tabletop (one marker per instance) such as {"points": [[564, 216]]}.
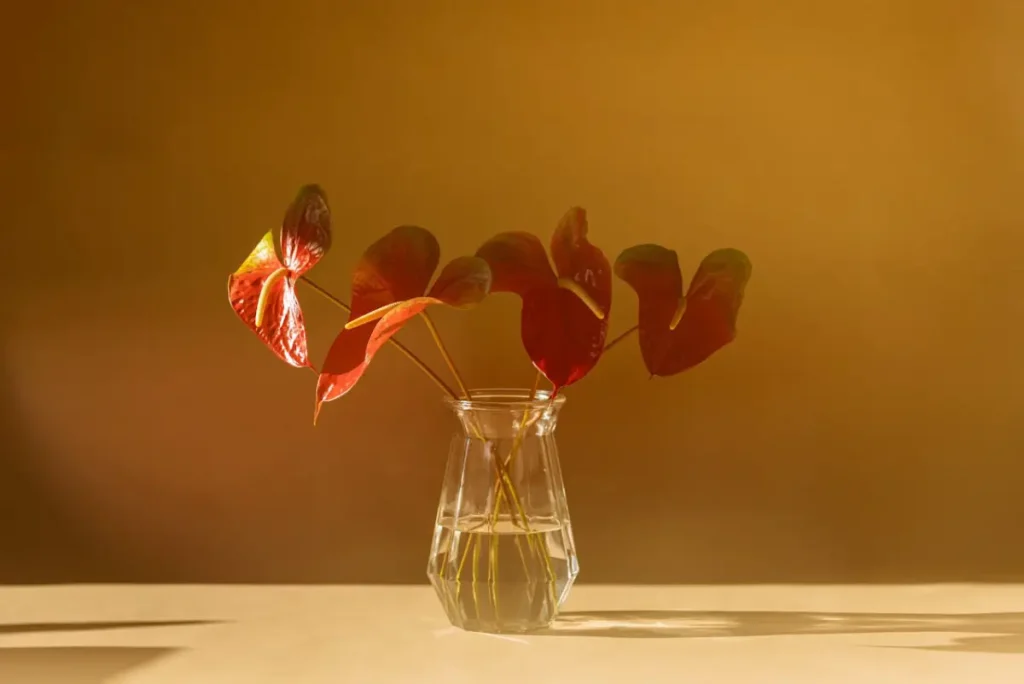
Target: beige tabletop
{"points": [[639, 635]]}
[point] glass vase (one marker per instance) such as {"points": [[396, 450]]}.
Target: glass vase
{"points": [[503, 558]]}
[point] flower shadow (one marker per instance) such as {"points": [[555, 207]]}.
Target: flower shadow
{"points": [[74, 665], [1003, 632], [81, 664], [44, 627]]}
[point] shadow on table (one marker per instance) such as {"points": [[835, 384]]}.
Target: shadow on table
{"points": [[73, 665], [79, 664], [1004, 632], [38, 627]]}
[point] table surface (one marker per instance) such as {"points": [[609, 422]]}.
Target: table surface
{"points": [[116, 634]]}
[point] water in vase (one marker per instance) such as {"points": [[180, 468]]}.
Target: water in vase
{"points": [[499, 576]]}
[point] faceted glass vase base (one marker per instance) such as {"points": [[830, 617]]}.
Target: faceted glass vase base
{"points": [[522, 578], [503, 558]]}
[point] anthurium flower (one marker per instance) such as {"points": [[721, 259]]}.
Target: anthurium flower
{"points": [[565, 310], [678, 332], [390, 286], [262, 290]]}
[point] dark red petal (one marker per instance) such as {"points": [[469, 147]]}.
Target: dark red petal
{"points": [[282, 328], [518, 263], [398, 266], [708, 322], [577, 259], [561, 335], [346, 361], [353, 350], [306, 230], [714, 299], [464, 282], [653, 272]]}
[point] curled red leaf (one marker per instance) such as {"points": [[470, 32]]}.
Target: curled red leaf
{"points": [[677, 332], [306, 230], [397, 266], [389, 287], [518, 263], [463, 282], [262, 290], [565, 310]]}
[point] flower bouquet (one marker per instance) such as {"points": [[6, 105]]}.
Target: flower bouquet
{"points": [[503, 557]]}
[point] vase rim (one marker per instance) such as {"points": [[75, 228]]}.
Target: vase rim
{"points": [[503, 398]]}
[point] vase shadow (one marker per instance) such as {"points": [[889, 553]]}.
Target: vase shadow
{"points": [[1003, 632]]}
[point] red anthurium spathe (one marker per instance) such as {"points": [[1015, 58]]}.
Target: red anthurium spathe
{"points": [[678, 332], [262, 290], [565, 309], [390, 286]]}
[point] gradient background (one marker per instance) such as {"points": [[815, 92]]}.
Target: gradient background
{"points": [[868, 156]]}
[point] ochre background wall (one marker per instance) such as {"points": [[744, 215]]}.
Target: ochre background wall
{"points": [[869, 156]]}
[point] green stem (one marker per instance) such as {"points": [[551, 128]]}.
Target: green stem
{"points": [[444, 353], [517, 443], [621, 337], [502, 480], [474, 426]]}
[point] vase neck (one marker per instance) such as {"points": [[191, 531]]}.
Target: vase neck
{"points": [[491, 414]]}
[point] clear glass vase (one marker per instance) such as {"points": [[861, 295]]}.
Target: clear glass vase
{"points": [[503, 558]]}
